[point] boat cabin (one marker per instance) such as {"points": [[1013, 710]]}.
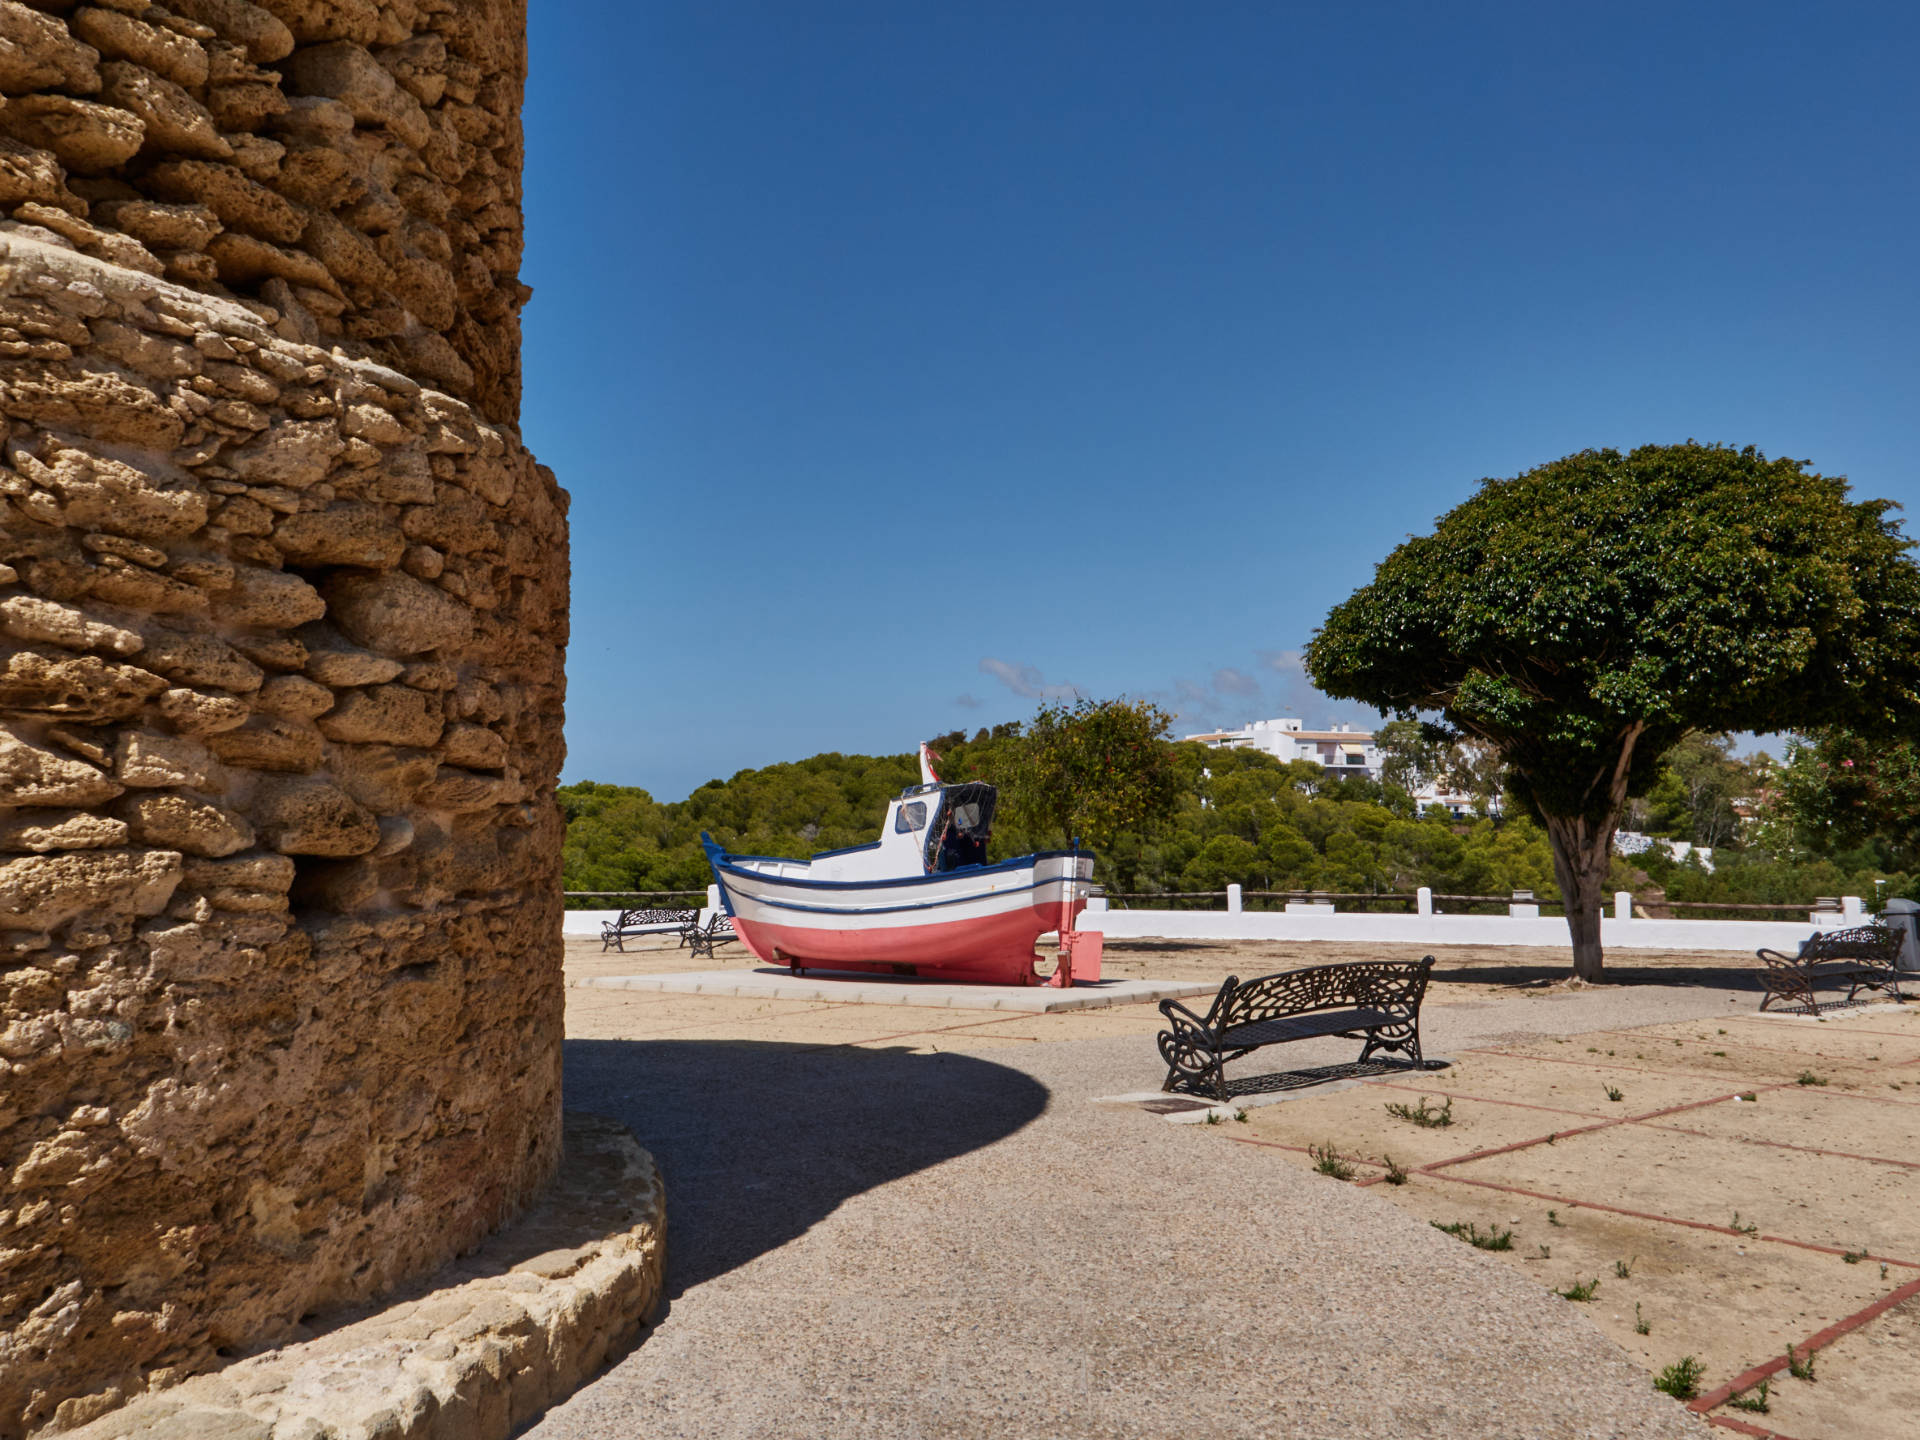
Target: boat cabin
{"points": [[929, 829]]}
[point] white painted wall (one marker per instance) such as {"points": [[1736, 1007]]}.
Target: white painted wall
{"points": [[588, 922], [1303, 923]]}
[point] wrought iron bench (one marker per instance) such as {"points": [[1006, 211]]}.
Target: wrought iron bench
{"points": [[1375, 1000], [1860, 958], [717, 931], [631, 924]]}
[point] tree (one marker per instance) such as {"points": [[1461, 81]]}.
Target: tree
{"points": [[1093, 769], [1584, 616], [1841, 790]]}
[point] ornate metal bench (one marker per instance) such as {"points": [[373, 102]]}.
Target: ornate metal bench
{"points": [[1860, 958], [717, 931], [631, 924], [1377, 1000]]}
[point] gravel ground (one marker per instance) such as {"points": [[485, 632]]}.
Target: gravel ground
{"points": [[878, 1242]]}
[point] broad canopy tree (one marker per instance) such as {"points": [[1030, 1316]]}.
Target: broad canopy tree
{"points": [[1584, 616]]}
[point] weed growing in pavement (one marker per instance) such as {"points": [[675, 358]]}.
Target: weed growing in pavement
{"points": [[1241, 1116], [1493, 1238], [1640, 1325], [1214, 1117], [1622, 1269], [1745, 1227], [1615, 1093], [1721, 1053], [1719, 1032], [1749, 1097], [1546, 1252], [1854, 1257], [1580, 1290], [1423, 1114], [1395, 1174], [1553, 1218], [1326, 1162], [1593, 1049], [1681, 1379], [1807, 1077], [1753, 1401], [1800, 1366]]}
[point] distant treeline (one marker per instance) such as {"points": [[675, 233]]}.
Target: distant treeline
{"points": [[1241, 817]]}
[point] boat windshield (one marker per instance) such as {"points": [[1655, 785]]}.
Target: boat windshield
{"points": [[965, 826]]}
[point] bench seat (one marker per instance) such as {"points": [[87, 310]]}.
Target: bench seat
{"points": [[1377, 1000]]}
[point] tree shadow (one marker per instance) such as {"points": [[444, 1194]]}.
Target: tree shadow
{"points": [[1731, 976], [758, 1142]]}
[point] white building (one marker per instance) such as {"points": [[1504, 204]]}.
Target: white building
{"points": [[1343, 748]]}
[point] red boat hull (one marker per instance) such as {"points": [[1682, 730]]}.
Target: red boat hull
{"points": [[991, 950]]}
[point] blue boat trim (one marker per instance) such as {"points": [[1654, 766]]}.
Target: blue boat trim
{"points": [[723, 861], [923, 905]]}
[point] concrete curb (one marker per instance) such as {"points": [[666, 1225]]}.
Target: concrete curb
{"points": [[475, 1351]]}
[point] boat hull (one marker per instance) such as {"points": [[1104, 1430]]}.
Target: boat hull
{"points": [[974, 925]]}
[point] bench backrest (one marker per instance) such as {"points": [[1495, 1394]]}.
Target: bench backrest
{"points": [[1859, 942], [1369, 984], [653, 917]]}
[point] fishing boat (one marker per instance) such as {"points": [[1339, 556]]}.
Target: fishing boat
{"points": [[918, 901]]}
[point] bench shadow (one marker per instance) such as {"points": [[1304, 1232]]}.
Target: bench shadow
{"points": [[758, 1142]]}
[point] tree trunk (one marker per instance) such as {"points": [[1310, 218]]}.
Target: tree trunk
{"points": [[1582, 852]]}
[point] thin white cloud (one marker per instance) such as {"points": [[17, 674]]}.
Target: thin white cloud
{"points": [[967, 702], [1283, 662], [1229, 681], [1026, 681]]}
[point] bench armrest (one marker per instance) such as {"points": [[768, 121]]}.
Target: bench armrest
{"points": [[1184, 1021]]}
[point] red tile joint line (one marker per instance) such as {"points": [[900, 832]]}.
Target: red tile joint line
{"points": [[1818, 1341]]}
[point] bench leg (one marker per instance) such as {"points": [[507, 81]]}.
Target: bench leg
{"points": [[1401, 1039]]}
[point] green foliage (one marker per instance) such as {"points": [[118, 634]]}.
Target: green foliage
{"points": [[1091, 770], [1492, 1238], [1582, 618], [1681, 1379], [1840, 791]]}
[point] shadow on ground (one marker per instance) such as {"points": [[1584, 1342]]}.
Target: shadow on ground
{"points": [[759, 1142], [1618, 972]]}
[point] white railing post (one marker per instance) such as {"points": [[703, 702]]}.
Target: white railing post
{"points": [[1623, 905], [1423, 901], [1233, 900]]}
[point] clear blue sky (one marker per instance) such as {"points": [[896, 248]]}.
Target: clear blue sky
{"points": [[906, 362]]}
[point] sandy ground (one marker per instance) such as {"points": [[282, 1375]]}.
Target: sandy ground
{"points": [[899, 1221]]}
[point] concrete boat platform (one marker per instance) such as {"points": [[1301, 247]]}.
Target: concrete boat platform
{"points": [[848, 988]]}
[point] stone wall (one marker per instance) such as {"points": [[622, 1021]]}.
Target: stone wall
{"points": [[282, 613], [353, 163]]}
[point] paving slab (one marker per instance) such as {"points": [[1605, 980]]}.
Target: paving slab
{"points": [[850, 989]]}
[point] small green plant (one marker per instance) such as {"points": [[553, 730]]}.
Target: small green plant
{"points": [[1546, 1252], [1214, 1117], [1492, 1238], [1593, 1049], [1854, 1257], [1552, 1135], [1745, 1227], [1327, 1162], [1614, 1092], [1800, 1366], [1721, 1053], [1424, 1115], [1622, 1269], [1553, 1219], [1807, 1077], [1241, 1116], [1749, 1097], [1719, 1032], [1753, 1401], [1580, 1290], [1681, 1379], [1640, 1325], [1396, 1175]]}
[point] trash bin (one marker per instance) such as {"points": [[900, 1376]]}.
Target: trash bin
{"points": [[1904, 916]]}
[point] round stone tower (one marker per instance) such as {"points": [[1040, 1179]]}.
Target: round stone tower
{"points": [[283, 605]]}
